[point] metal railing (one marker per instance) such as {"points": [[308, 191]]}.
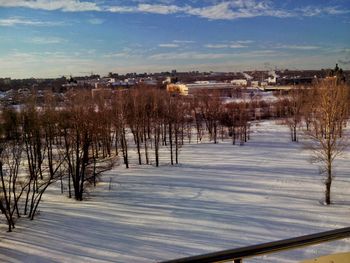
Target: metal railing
{"points": [[238, 254]]}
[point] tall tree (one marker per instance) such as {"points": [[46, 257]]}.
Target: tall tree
{"points": [[326, 138], [11, 148], [295, 103]]}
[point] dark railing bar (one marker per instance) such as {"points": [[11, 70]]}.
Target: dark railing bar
{"points": [[237, 254]]}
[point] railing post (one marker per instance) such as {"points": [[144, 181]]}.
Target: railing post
{"points": [[237, 260]]}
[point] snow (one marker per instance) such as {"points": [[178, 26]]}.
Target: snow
{"points": [[220, 197]]}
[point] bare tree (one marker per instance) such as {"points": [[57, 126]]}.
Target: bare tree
{"points": [[34, 151], [211, 106], [198, 117], [157, 122], [10, 158], [328, 113], [54, 156], [11, 148], [78, 136], [295, 103], [135, 117], [120, 110]]}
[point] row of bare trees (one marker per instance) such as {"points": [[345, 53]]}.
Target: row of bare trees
{"points": [[41, 145], [156, 120]]}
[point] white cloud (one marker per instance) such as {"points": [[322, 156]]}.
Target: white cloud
{"points": [[223, 10], [237, 46], [189, 56], [176, 44], [232, 45], [219, 11], [184, 41], [14, 21], [218, 46], [159, 9], [215, 56], [298, 47], [118, 55], [334, 10], [146, 8], [263, 52], [46, 40], [121, 9], [227, 10], [243, 41], [230, 10], [317, 11], [169, 45], [64, 5]]}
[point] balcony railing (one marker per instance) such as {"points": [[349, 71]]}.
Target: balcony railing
{"points": [[238, 254]]}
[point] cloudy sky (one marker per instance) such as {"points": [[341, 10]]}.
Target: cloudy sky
{"points": [[50, 38]]}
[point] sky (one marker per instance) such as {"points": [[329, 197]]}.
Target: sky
{"points": [[50, 38]]}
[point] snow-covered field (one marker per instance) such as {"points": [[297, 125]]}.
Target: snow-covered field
{"points": [[220, 197]]}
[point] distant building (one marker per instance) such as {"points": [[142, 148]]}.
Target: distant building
{"points": [[167, 80], [220, 88], [254, 83], [240, 82], [272, 79], [130, 81], [180, 89]]}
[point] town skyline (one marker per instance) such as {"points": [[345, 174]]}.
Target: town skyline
{"points": [[53, 38]]}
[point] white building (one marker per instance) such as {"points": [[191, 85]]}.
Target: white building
{"points": [[272, 79]]}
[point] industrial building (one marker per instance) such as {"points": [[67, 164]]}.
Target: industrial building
{"points": [[221, 88]]}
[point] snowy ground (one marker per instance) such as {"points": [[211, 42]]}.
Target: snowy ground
{"points": [[220, 197]]}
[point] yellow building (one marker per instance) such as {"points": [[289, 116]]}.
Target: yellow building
{"points": [[222, 88], [180, 89]]}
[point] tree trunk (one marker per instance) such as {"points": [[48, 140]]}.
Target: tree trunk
{"points": [[171, 143]]}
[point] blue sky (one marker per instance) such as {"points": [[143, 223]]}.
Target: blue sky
{"points": [[46, 38]]}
